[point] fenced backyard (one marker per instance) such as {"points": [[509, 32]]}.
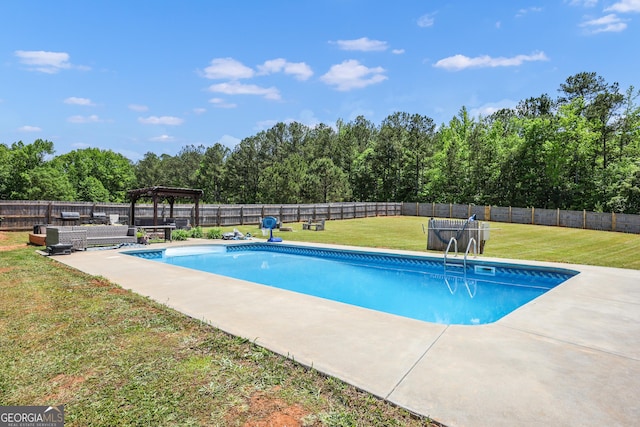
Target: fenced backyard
{"points": [[24, 214], [603, 221]]}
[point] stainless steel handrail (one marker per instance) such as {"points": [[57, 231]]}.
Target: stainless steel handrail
{"points": [[446, 252]]}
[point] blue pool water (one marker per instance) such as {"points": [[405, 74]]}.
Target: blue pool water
{"points": [[416, 287]]}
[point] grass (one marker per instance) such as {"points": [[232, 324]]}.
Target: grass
{"points": [[113, 357]]}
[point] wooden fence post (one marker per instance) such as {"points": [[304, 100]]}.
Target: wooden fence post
{"points": [[613, 221], [49, 209], [533, 216]]}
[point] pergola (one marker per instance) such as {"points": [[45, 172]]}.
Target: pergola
{"points": [[169, 194]]}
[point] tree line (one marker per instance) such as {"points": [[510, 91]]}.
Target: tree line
{"points": [[579, 150]]}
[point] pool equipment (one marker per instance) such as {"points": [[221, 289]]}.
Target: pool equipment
{"points": [[271, 223]]}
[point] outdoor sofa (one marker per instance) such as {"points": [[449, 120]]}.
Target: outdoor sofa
{"points": [[83, 237]]}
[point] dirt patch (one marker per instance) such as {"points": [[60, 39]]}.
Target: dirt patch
{"points": [[67, 387], [11, 247], [269, 411], [104, 283], [4, 246], [6, 269], [100, 283]]}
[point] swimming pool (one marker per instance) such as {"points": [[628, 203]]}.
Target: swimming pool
{"points": [[418, 287]]}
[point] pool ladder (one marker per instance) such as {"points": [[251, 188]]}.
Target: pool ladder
{"points": [[469, 284], [454, 241]]}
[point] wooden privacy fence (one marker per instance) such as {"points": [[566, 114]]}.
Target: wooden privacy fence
{"points": [[25, 214], [607, 221]]}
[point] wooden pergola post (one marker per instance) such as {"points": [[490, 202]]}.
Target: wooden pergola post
{"points": [[155, 209], [171, 201], [132, 210], [197, 218]]}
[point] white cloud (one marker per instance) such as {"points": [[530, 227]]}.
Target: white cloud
{"points": [[82, 145], [164, 120], [624, 6], [607, 24], [584, 3], [229, 141], [523, 12], [397, 51], [305, 117], [492, 107], [227, 68], [308, 118], [79, 101], [199, 111], [426, 20], [299, 70], [267, 124], [84, 119], [139, 108], [29, 129], [162, 138], [460, 62], [235, 88], [221, 103], [362, 44], [45, 62], [351, 74]]}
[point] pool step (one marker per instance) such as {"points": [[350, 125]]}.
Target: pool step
{"points": [[455, 262]]}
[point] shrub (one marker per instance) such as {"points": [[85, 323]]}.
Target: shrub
{"points": [[180, 235], [214, 233], [197, 233]]}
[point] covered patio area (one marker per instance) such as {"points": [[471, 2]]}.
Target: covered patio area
{"points": [[160, 194]]}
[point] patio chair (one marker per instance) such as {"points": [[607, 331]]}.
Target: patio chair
{"points": [[317, 226]]}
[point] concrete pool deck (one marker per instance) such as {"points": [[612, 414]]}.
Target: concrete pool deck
{"points": [[570, 357]]}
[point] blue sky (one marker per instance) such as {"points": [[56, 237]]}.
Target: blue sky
{"points": [[155, 76]]}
